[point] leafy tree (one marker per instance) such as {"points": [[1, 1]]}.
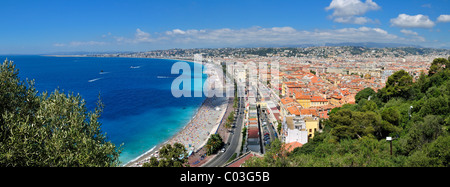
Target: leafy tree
{"points": [[170, 156], [436, 106], [53, 130], [437, 65], [436, 154], [369, 106], [391, 115], [420, 134], [214, 144], [354, 124], [365, 94], [398, 85]]}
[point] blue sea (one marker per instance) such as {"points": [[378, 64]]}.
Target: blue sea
{"points": [[140, 110]]}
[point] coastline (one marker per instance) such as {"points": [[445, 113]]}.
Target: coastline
{"points": [[155, 148], [183, 133], [205, 122], [186, 131]]}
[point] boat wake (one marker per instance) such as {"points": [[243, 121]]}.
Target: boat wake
{"points": [[93, 80]]}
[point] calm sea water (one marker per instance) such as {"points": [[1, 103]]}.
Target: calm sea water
{"points": [[140, 110]]}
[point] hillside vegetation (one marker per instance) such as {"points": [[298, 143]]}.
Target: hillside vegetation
{"points": [[49, 130]]}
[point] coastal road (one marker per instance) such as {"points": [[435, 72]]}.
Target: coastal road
{"points": [[234, 140]]}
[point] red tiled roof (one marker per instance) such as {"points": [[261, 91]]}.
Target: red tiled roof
{"points": [[309, 112], [303, 97], [242, 160], [318, 99], [291, 146], [287, 100], [294, 110]]}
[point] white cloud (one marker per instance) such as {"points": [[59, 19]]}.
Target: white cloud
{"points": [[89, 43], [258, 36], [253, 36], [409, 32], [412, 36], [354, 20], [443, 18], [408, 21], [350, 11], [346, 8], [59, 45], [141, 36]]}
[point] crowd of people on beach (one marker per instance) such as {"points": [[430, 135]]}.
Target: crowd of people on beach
{"points": [[196, 133]]}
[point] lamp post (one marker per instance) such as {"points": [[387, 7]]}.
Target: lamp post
{"points": [[409, 111], [390, 140]]}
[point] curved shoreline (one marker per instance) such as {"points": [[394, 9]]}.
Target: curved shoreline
{"points": [[186, 131], [181, 133], [153, 150]]}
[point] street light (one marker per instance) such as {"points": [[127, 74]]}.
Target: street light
{"points": [[390, 140], [409, 111]]}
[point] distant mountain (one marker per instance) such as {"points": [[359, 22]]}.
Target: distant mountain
{"points": [[86, 53], [372, 45], [354, 44]]}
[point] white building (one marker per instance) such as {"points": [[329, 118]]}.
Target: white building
{"points": [[294, 129]]}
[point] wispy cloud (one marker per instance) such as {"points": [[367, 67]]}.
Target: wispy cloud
{"points": [[409, 32], [78, 43], [413, 36]]}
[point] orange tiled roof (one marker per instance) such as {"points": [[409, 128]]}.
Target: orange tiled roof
{"points": [[309, 112], [294, 110], [318, 99], [303, 97], [291, 146], [287, 100]]}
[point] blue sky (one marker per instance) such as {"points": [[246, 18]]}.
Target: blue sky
{"points": [[35, 27]]}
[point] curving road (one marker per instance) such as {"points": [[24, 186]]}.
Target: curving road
{"points": [[234, 139]]}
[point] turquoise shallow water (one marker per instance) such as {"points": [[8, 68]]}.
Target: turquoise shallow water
{"points": [[140, 110]]}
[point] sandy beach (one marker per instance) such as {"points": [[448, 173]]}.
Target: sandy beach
{"points": [[196, 133]]}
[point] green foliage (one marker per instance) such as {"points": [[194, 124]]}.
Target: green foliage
{"points": [[438, 64], [354, 124], [214, 144], [230, 120], [397, 85], [391, 115], [170, 156], [436, 154], [420, 134], [365, 94], [53, 130]]}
